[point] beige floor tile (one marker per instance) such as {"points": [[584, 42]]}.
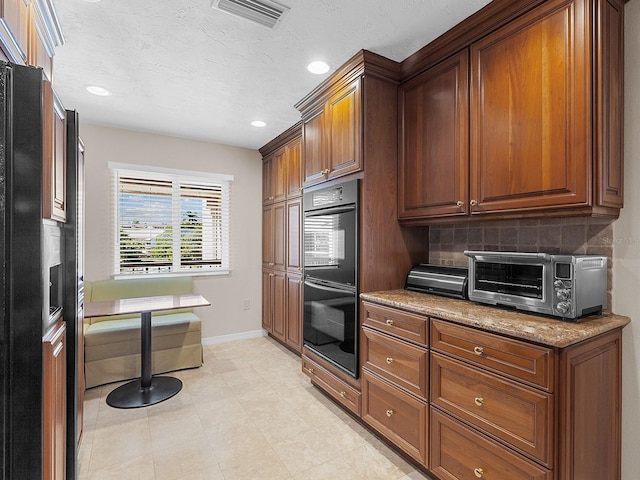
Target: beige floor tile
{"points": [[247, 414], [237, 440], [304, 451], [261, 464], [138, 468], [193, 459]]}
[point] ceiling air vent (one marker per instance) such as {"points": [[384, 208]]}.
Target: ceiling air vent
{"points": [[264, 12]]}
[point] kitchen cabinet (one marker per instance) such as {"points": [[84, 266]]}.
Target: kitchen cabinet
{"points": [[40, 48], [332, 135], [293, 327], [341, 390], [282, 173], [274, 236], [54, 152], [274, 303], [494, 406], [14, 29], [54, 404], [544, 134], [433, 161], [294, 253], [395, 377]]}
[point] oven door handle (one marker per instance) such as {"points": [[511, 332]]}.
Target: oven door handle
{"points": [[330, 211], [327, 288]]}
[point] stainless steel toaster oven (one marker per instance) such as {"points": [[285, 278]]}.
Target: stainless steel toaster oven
{"points": [[566, 286]]}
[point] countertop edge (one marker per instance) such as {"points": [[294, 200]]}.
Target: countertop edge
{"points": [[521, 325]]}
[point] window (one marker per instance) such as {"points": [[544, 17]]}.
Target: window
{"points": [[170, 221]]}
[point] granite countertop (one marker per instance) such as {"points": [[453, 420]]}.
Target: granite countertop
{"points": [[534, 328]]}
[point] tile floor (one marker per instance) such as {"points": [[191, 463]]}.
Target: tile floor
{"points": [[247, 414]]}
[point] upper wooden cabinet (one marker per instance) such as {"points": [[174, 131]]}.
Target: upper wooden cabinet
{"points": [[282, 167], [14, 29], [54, 156], [332, 136], [544, 99], [433, 161]]}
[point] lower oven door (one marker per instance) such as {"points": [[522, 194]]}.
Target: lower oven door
{"points": [[331, 323]]}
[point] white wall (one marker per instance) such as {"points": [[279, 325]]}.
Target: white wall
{"points": [[626, 265], [226, 293]]}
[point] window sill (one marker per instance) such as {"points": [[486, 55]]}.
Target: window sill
{"points": [[171, 274]]}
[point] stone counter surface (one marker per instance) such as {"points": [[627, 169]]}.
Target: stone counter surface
{"points": [[534, 328]]}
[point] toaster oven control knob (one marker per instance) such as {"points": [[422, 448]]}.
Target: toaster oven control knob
{"points": [[558, 284], [563, 294], [563, 307]]}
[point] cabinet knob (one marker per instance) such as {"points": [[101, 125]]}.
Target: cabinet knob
{"points": [[478, 350], [389, 360], [389, 322], [478, 401], [459, 203], [478, 472], [343, 394], [389, 413], [300, 269], [473, 203], [271, 264], [299, 189], [310, 370]]}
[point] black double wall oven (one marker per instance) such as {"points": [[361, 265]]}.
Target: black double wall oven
{"points": [[330, 322]]}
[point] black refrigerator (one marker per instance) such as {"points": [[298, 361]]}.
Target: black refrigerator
{"points": [[25, 256]]}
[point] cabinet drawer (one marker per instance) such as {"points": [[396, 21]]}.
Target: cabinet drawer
{"points": [[398, 416], [399, 362], [519, 360], [458, 452], [344, 393], [402, 324], [517, 414]]}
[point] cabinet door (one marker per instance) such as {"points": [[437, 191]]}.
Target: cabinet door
{"points": [[267, 237], [313, 146], [344, 130], [267, 321], [14, 18], [278, 305], [278, 175], [54, 156], [266, 179], [433, 173], [55, 404], [279, 235], [294, 168], [530, 111], [294, 236], [294, 312]]}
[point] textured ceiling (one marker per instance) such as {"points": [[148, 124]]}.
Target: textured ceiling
{"points": [[185, 69]]}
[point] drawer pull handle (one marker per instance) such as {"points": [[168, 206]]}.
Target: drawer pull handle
{"points": [[478, 350], [310, 370], [389, 413], [343, 394], [478, 472], [478, 401], [389, 360], [389, 322]]}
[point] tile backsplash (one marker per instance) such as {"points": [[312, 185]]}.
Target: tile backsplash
{"points": [[573, 235]]}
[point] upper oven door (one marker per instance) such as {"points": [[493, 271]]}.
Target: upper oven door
{"points": [[330, 241]]}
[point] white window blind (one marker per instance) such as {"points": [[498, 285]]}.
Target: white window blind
{"points": [[171, 222]]}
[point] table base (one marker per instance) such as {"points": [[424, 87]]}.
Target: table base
{"points": [[133, 395]]}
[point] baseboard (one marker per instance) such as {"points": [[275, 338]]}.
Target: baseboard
{"points": [[233, 337]]}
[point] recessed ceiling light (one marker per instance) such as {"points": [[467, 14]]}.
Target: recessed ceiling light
{"points": [[96, 90], [318, 67], [259, 123]]}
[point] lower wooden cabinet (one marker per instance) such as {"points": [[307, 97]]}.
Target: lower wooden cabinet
{"points": [[400, 417], [282, 307], [459, 453], [347, 395], [55, 403], [468, 403]]}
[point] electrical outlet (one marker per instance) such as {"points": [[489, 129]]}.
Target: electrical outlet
{"points": [[246, 304]]}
